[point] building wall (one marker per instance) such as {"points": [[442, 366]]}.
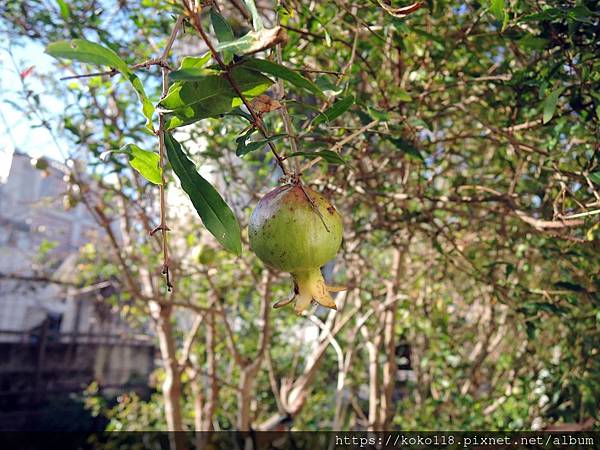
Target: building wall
{"points": [[55, 339], [31, 213]]}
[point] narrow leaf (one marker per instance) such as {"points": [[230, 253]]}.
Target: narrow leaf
{"points": [[406, 147], [221, 27], [595, 177], [87, 52], [257, 22], [497, 8], [550, 104], [246, 148], [92, 53], [335, 110], [402, 95], [65, 12], [327, 86], [216, 215], [143, 161], [255, 41], [328, 155], [569, 286], [223, 31], [530, 41], [284, 73]]}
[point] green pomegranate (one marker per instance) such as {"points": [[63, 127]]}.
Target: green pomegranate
{"points": [[289, 233]]}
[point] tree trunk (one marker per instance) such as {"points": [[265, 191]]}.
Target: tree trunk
{"points": [[198, 394], [172, 384], [211, 365], [249, 370], [390, 368], [373, 388], [246, 385]]}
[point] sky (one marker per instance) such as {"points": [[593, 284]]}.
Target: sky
{"points": [[19, 131]]}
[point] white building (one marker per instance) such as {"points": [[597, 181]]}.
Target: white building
{"points": [[33, 218]]}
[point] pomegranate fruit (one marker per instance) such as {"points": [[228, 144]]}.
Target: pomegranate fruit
{"points": [[289, 233]]}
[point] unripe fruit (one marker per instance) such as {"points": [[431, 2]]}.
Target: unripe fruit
{"points": [[290, 233]]}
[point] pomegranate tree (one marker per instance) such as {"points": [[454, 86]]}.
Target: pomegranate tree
{"points": [[290, 233]]}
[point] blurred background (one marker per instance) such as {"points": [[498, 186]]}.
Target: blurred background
{"points": [[470, 192]]}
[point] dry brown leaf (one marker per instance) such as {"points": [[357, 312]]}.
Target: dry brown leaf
{"points": [[264, 104]]}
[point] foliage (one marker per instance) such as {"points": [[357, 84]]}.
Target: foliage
{"points": [[470, 189]]}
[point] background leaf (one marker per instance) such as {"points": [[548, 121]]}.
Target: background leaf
{"points": [[216, 215], [257, 22], [327, 155], [550, 104], [497, 8], [406, 147], [244, 148], [337, 109], [65, 12]]}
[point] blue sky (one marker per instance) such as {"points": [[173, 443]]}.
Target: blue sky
{"points": [[18, 130]]}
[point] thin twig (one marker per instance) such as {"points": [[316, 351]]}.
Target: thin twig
{"points": [[289, 127], [161, 148], [341, 143], [112, 72], [197, 24]]}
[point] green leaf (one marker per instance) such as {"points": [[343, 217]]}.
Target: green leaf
{"points": [[191, 74], [432, 37], [416, 122], [210, 96], [406, 147], [569, 286], [223, 31], [550, 104], [245, 148], [335, 110], [216, 215], [595, 177], [241, 139], [402, 95], [191, 68], [92, 53], [546, 14], [194, 62], [145, 162], [65, 12], [377, 115], [257, 22], [530, 41], [327, 86], [582, 13], [87, 52], [497, 9], [254, 41], [221, 27], [328, 155], [284, 73]]}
